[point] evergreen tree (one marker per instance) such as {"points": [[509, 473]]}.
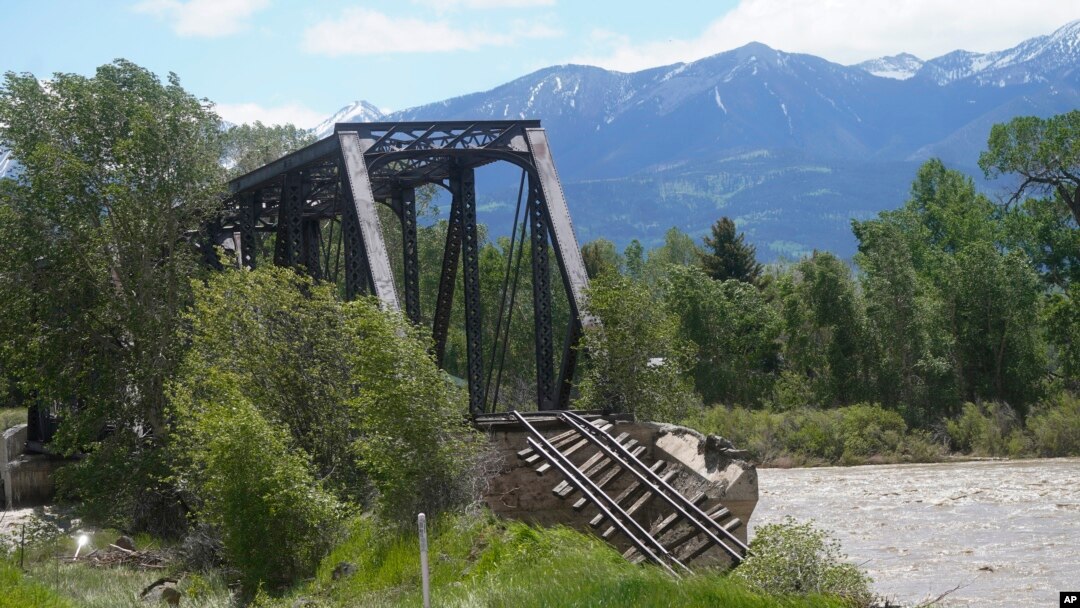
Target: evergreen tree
{"points": [[635, 259], [728, 255], [600, 257]]}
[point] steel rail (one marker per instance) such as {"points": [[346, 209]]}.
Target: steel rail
{"points": [[651, 480], [611, 510]]}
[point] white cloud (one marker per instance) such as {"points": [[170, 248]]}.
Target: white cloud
{"points": [[848, 31], [203, 18], [290, 113], [365, 32]]}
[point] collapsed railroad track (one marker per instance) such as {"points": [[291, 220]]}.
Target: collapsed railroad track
{"points": [[589, 458]]}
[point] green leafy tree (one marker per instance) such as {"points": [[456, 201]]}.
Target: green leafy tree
{"points": [[1063, 331], [824, 328], [600, 257], [728, 255], [1047, 233], [634, 255], [1043, 152], [678, 249], [637, 361], [250, 146], [952, 292], [118, 169], [353, 386], [734, 329], [907, 336]]}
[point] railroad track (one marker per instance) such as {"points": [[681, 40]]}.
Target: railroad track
{"points": [[589, 459]]}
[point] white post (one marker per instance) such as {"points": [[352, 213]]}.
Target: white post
{"points": [[421, 521]]}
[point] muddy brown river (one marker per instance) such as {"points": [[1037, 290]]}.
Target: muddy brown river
{"points": [[1006, 533]]}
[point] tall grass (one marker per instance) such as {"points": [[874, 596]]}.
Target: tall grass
{"points": [[484, 562], [79, 584], [17, 591]]}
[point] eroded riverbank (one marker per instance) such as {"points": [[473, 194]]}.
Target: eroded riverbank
{"points": [[1006, 532]]}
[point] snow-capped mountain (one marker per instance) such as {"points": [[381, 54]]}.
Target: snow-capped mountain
{"points": [[790, 145], [1035, 59], [357, 111], [900, 67]]}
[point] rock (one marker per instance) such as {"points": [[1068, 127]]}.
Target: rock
{"points": [[303, 602], [342, 570], [125, 542], [171, 596], [162, 590]]}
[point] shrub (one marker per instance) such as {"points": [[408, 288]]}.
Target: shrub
{"points": [[870, 430], [756, 431], [920, 446], [637, 361], [814, 433], [988, 429], [122, 483], [353, 386], [798, 558], [845, 435], [275, 519], [1055, 427]]}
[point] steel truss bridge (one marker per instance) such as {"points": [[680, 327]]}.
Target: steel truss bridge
{"points": [[335, 184]]}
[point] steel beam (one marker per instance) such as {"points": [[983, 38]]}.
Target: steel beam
{"points": [[249, 216], [569, 363], [567, 251], [311, 260], [541, 275], [405, 203], [357, 279], [290, 235], [292, 162], [444, 304], [463, 184], [358, 192]]}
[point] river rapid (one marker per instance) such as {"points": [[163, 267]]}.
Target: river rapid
{"points": [[1006, 533]]}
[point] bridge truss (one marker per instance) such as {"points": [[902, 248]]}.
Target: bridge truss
{"points": [[335, 183]]}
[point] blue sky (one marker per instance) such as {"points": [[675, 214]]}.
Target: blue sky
{"points": [[287, 60]]}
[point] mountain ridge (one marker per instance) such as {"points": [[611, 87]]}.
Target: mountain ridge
{"points": [[790, 145]]}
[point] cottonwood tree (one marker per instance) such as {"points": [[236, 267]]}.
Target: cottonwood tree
{"points": [[1043, 152], [119, 170], [824, 322], [943, 291], [734, 329], [250, 146], [637, 360]]}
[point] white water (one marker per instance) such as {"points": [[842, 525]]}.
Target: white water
{"points": [[1006, 532]]}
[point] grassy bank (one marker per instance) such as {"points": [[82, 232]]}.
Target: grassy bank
{"points": [[483, 562], [870, 434], [475, 561]]}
